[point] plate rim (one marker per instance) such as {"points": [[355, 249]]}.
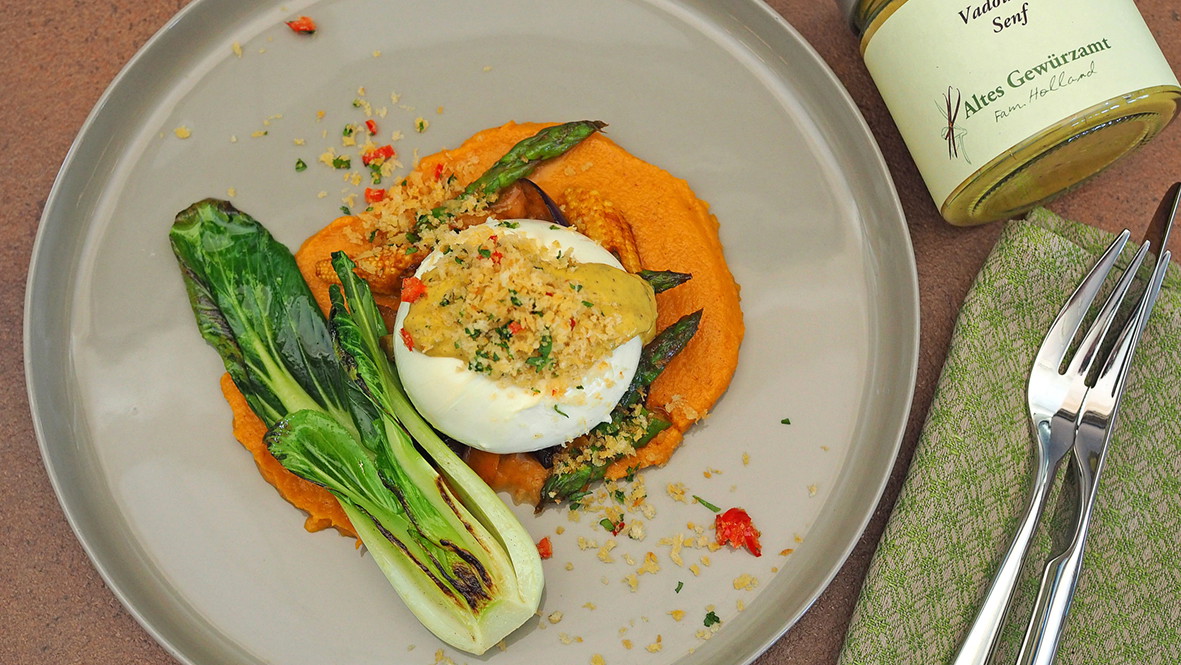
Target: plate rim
{"points": [[35, 284]]}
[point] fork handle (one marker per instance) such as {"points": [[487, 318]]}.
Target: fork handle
{"points": [[976, 649], [1060, 576]]}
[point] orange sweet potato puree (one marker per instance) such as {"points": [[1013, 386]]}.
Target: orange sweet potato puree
{"points": [[673, 230]]}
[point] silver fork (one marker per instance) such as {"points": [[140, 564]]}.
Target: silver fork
{"points": [[1048, 390], [1089, 423]]}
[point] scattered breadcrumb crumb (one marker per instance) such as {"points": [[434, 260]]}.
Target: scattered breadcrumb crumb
{"points": [[237, 49], [597, 659], [786, 552], [299, 141], [231, 192], [569, 565], [677, 615], [590, 606], [555, 616], [656, 646], [627, 644], [377, 54], [745, 459], [182, 132], [812, 489], [605, 552], [677, 491], [258, 133], [322, 194], [745, 581], [650, 566], [487, 68]]}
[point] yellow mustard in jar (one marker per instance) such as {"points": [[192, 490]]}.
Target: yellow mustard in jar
{"points": [[1004, 104]]}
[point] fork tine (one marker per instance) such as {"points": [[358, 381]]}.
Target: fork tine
{"points": [[1066, 324], [1087, 355], [1115, 370]]}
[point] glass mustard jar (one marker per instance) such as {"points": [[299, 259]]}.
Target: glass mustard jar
{"points": [[1005, 103]]}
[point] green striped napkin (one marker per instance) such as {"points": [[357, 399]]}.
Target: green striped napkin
{"points": [[969, 480]]}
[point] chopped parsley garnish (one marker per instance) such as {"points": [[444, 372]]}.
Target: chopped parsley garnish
{"points": [[542, 359], [680, 585], [300, 165], [560, 411], [587, 303], [786, 421], [707, 504], [711, 618], [341, 162]]}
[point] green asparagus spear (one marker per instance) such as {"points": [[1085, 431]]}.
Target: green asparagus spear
{"points": [[517, 163], [655, 357], [663, 280], [520, 161], [561, 485]]}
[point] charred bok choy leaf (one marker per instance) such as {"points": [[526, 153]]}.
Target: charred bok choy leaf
{"points": [[338, 416]]}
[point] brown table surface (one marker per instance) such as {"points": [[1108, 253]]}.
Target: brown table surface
{"points": [[61, 55]]}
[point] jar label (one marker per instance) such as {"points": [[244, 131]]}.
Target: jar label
{"points": [[966, 81]]}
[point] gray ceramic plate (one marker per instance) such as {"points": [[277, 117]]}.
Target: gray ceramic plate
{"points": [[136, 437]]}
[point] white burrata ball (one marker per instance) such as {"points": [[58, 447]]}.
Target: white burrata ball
{"points": [[477, 411]]}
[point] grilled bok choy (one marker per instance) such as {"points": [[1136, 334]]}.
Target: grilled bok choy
{"points": [[338, 416]]}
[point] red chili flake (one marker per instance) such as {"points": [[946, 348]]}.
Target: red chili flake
{"points": [[374, 195], [735, 527], [407, 339], [303, 25], [496, 257], [371, 125], [545, 548], [572, 323], [383, 153], [493, 238], [438, 171], [412, 289], [514, 327], [618, 528]]}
